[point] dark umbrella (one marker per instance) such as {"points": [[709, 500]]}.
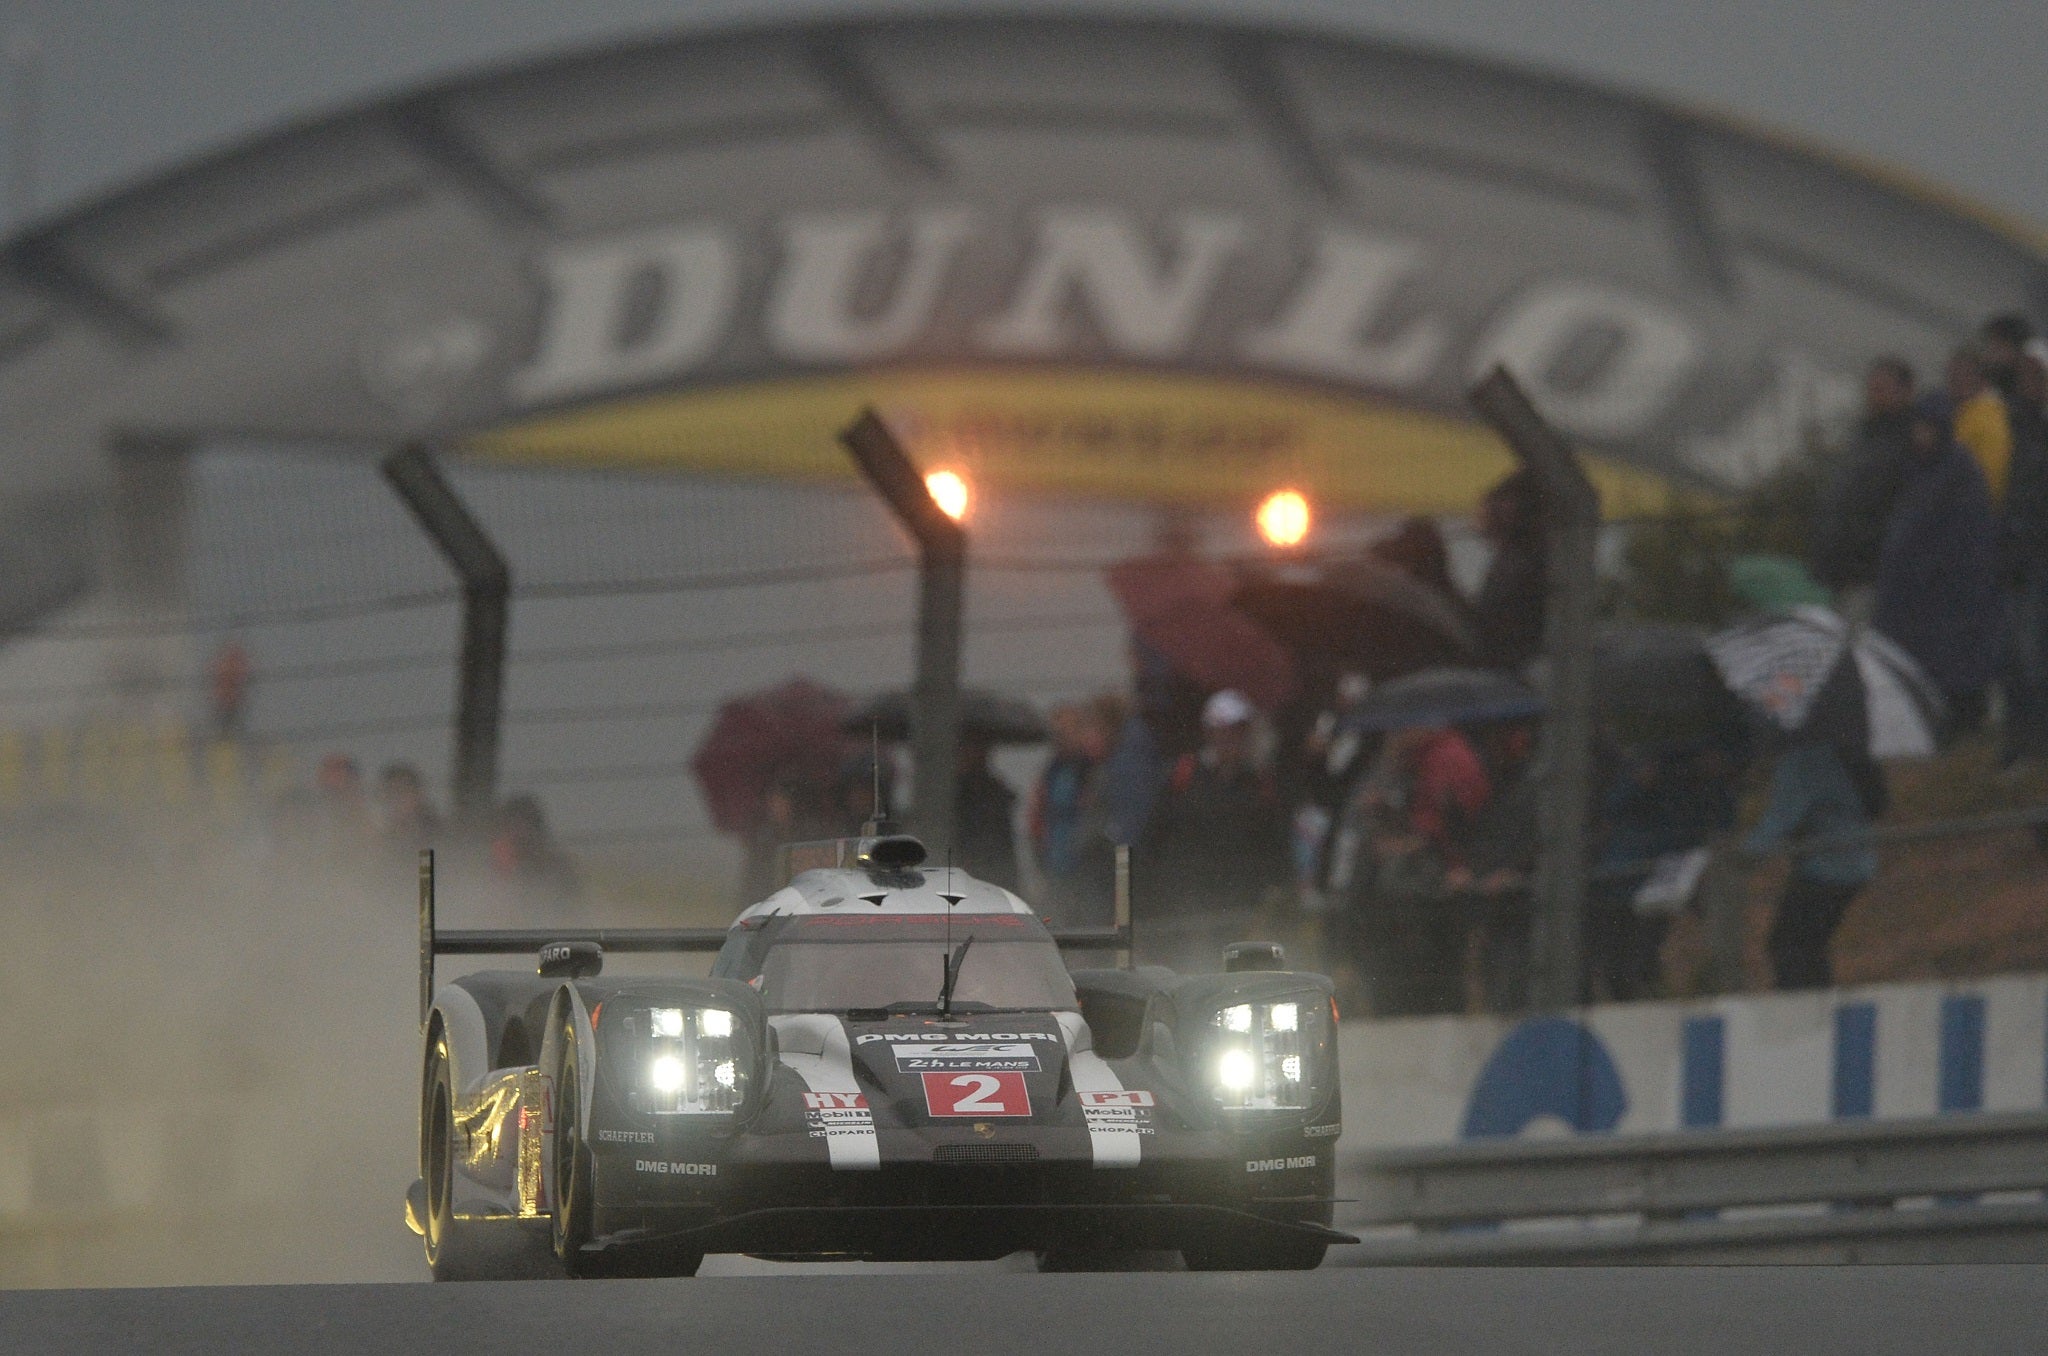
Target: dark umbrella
{"points": [[1364, 614], [1445, 697], [789, 733], [1655, 685], [1180, 607], [985, 716]]}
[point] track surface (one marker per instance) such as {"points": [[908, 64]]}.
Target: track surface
{"points": [[1668, 1312]]}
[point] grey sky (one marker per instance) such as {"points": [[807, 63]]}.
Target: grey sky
{"points": [[1954, 90]]}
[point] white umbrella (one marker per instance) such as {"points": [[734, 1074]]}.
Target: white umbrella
{"points": [[1789, 665]]}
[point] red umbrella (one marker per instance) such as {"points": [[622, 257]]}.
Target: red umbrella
{"points": [[787, 733], [1180, 606]]}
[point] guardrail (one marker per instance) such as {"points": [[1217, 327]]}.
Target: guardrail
{"points": [[1901, 1190]]}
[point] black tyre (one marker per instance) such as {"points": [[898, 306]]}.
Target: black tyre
{"points": [[453, 1253], [1286, 1255], [575, 1172]]}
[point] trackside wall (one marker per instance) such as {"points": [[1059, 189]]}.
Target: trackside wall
{"points": [[1888, 1050]]}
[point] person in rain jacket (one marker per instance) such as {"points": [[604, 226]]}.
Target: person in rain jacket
{"points": [[1815, 793], [1937, 571]]}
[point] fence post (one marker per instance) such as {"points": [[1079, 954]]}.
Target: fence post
{"points": [[942, 574], [486, 613], [1572, 527]]}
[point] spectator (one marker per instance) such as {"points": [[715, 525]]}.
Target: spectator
{"points": [[1058, 797], [1163, 724], [1981, 426], [227, 688], [1069, 828], [1662, 802], [407, 820], [1815, 793], [2001, 342], [1400, 840], [344, 810], [1416, 548], [1498, 855], [1333, 756], [1508, 610], [984, 810], [1937, 574], [1217, 843], [1857, 502], [527, 865], [2025, 560], [863, 794]]}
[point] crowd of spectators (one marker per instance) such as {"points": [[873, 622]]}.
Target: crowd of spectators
{"points": [[1407, 857], [511, 857]]}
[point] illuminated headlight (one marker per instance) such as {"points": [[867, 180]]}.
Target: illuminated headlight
{"points": [[1235, 1071], [666, 1074], [690, 1061], [1269, 1056]]}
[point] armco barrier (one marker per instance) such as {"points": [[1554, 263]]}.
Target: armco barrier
{"points": [[1948, 1188]]}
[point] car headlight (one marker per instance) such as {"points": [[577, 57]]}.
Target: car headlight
{"points": [[683, 1061], [1268, 1054]]}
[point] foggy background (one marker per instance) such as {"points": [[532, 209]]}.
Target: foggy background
{"points": [[211, 1074]]}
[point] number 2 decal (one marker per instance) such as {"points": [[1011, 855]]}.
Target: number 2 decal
{"points": [[976, 1094]]}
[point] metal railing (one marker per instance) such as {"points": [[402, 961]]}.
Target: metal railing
{"points": [[1900, 1190]]}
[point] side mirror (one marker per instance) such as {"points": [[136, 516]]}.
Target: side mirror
{"points": [[571, 960], [1253, 956]]}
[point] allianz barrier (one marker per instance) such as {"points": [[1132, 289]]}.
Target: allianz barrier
{"points": [[1892, 1122], [1883, 1051]]}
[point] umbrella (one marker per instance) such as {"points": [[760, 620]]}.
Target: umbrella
{"points": [[786, 733], [1445, 697], [1789, 666], [1179, 606], [984, 716], [1366, 615], [1654, 684]]}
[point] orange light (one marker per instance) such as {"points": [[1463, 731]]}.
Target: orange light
{"points": [[950, 491], [1283, 518]]}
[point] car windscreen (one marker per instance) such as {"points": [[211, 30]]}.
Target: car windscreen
{"points": [[849, 961]]}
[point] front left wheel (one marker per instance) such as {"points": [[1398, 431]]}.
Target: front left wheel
{"points": [[453, 1250]]}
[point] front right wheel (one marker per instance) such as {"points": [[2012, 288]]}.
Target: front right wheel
{"points": [[574, 1169]]}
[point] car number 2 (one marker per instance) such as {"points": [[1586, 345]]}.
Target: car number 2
{"points": [[976, 1094]]}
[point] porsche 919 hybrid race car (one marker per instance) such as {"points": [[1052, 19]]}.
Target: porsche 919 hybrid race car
{"points": [[888, 1062]]}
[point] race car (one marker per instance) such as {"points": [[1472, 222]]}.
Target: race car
{"points": [[888, 1062]]}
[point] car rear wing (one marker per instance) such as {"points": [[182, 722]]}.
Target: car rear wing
{"points": [[436, 941]]}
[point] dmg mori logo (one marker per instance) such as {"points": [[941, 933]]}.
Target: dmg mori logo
{"points": [[856, 287]]}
